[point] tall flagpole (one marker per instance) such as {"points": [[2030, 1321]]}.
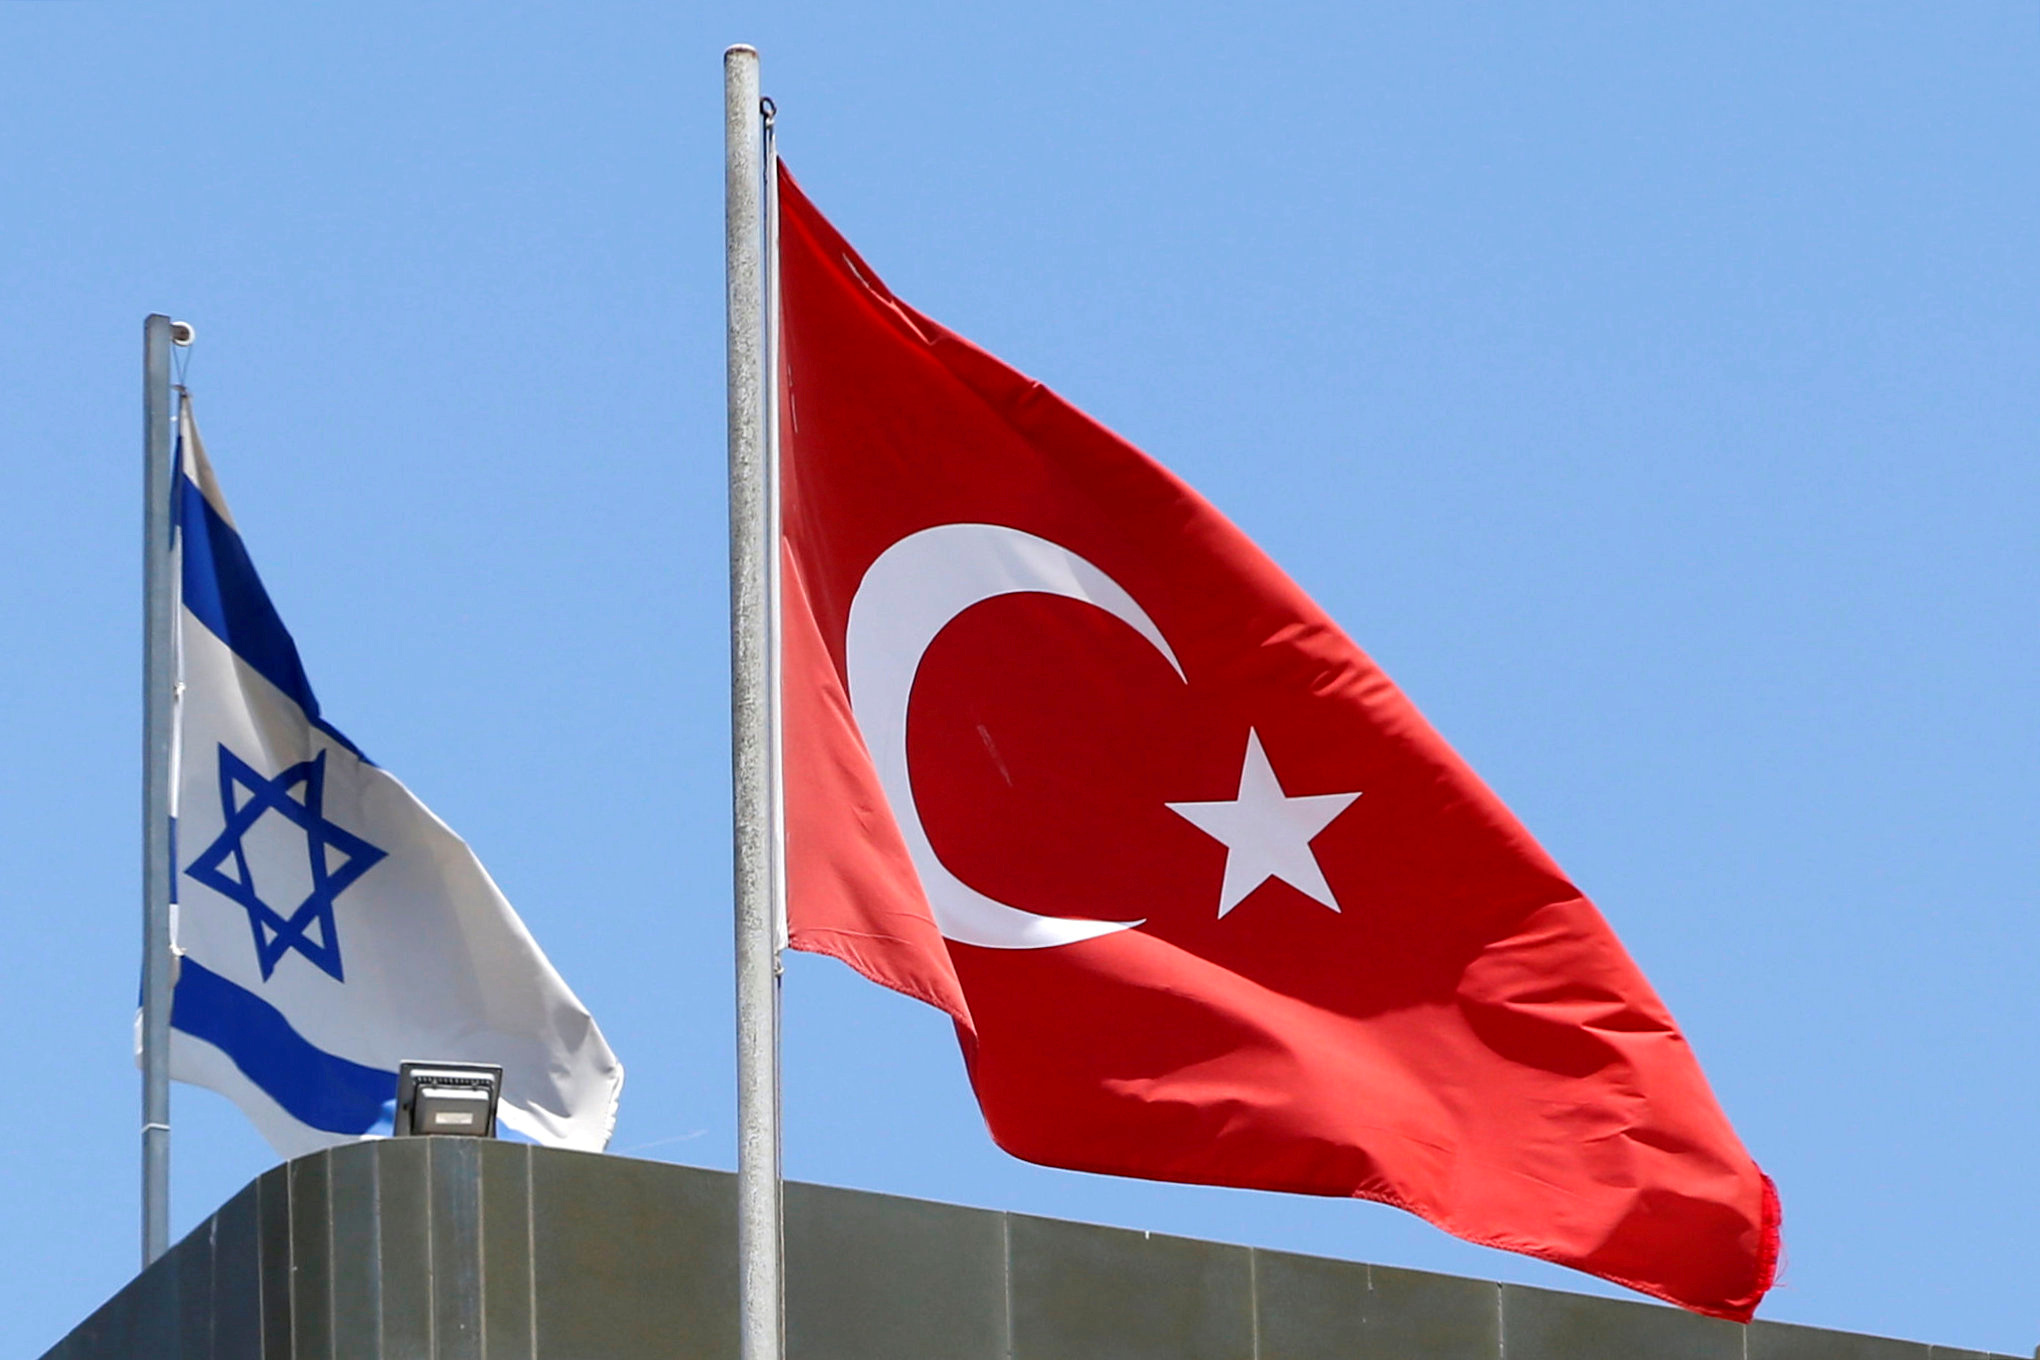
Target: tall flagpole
{"points": [[760, 1279], [158, 677]]}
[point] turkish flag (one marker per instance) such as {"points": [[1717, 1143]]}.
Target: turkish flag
{"points": [[1068, 757]]}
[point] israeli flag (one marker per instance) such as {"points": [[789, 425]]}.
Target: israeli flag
{"points": [[327, 926]]}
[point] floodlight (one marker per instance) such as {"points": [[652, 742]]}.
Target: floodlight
{"points": [[448, 1098]]}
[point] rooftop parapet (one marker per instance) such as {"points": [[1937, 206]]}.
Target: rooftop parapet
{"points": [[468, 1249]]}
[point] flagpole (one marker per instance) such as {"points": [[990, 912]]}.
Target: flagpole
{"points": [[158, 678], [760, 1281]]}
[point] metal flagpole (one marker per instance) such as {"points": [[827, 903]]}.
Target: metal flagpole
{"points": [[760, 1279], [158, 678]]}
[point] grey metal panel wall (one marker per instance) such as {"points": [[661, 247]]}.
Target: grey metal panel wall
{"points": [[456, 1249]]}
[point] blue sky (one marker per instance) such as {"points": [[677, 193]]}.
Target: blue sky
{"points": [[1652, 391]]}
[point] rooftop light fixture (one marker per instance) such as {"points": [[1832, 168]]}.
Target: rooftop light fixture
{"points": [[448, 1098]]}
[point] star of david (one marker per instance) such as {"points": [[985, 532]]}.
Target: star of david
{"points": [[337, 858]]}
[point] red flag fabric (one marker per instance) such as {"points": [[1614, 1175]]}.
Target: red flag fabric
{"points": [[1208, 900]]}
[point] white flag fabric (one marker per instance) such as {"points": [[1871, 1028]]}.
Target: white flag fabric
{"points": [[327, 926]]}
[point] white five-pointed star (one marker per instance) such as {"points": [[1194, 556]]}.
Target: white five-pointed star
{"points": [[1267, 834]]}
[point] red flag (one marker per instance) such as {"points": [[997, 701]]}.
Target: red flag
{"points": [[1209, 901]]}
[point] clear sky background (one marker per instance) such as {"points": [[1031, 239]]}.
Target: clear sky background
{"points": [[1652, 390]]}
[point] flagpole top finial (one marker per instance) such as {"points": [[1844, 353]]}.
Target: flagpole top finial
{"points": [[181, 333]]}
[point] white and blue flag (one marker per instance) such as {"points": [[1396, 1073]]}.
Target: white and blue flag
{"points": [[327, 926]]}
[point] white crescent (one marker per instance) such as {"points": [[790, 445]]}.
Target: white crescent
{"points": [[907, 597]]}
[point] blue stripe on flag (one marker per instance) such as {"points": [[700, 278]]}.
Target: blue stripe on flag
{"points": [[312, 1085], [223, 592]]}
